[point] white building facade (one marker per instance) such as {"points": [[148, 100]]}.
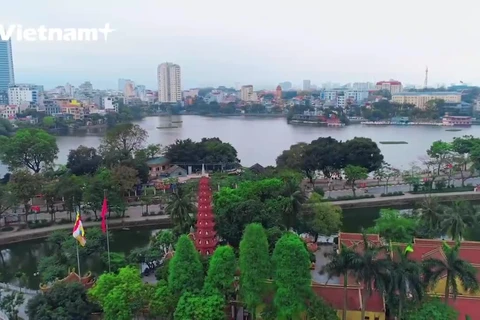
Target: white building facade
{"points": [[169, 83]]}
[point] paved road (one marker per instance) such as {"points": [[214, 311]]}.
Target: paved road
{"points": [[381, 189]]}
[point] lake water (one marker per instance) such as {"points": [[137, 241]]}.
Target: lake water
{"points": [[263, 139]]}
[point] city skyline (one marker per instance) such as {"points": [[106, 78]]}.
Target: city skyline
{"points": [[216, 46]]}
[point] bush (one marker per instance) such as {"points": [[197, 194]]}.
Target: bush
{"points": [[319, 190], [446, 190], [392, 194], [8, 228], [343, 198], [39, 224]]}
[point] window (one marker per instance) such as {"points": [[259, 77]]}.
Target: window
{"points": [[377, 318], [367, 318]]}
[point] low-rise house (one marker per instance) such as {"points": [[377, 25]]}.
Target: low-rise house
{"points": [[158, 167]]}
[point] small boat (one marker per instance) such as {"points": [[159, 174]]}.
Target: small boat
{"points": [[178, 121]]}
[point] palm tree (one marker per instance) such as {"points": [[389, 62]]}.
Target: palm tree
{"points": [[457, 217], [341, 265], [180, 207], [370, 270], [457, 272], [404, 279], [296, 198]]}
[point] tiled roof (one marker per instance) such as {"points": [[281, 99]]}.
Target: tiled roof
{"points": [[466, 306], [333, 295]]}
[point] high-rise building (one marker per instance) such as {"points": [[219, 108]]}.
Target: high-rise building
{"points": [[246, 93], [23, 94], [121, 84], [141, 92], [306, 85], [169, 83], [7, 75]]}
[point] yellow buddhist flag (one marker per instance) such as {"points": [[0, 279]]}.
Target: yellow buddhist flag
{"points": [[408, 248]]}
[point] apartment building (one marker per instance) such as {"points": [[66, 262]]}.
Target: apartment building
{"points": [[169, 83], [19, 94], [246, 93], [393, 86], [419, 99]]}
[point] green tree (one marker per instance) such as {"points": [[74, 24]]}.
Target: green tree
{"points": [[370, 269], [125, 138], [254, 264], [325, 155], [457, 217], [63, 301], [432, 308], [295, 158], [164, 301], [123, 180], [181, 207], [404, 280], [458, 272], [6, 199], [6, 127], [439, 151], [83, 160], [28, 148], [24, 186], [321, 218], [296, 198], [121, 295], [10, 303], [185, 268], [292, 276], [221, 271], [362, 152], [342, 265], [354, 173], [200, 307], [48, 122], [394, 226], [252, 201]]}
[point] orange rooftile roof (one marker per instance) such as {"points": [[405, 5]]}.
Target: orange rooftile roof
{"points": [[333, 295]]}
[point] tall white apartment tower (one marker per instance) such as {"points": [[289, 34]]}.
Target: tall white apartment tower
{"points": [[169, 82]]}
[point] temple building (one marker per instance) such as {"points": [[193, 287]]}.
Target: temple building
{"points": [[205, 236], [87, 281], [331, 288]]}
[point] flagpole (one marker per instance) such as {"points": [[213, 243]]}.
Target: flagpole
{"points": [[78, 261], [108, 240]]}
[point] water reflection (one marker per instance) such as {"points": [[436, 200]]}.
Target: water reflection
{"points": [[24, 257]]}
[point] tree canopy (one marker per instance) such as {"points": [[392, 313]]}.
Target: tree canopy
{"points": [[64, 301], [28, 148], [208, 151], [330, 156]]}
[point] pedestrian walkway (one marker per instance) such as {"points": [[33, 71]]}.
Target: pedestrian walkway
{"points": [[6, 288]]}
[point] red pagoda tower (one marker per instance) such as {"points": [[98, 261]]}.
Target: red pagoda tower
{"points": [[205, 235]]}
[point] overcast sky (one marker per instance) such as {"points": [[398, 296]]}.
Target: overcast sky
{"points": [[259, 42]]}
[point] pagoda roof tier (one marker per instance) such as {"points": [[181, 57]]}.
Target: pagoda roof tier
{"points": [[87, 281]]}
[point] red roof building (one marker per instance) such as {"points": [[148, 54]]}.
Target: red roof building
{"points": [[205, 235], [465, 304]]}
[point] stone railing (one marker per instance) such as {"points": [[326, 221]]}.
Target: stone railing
{"points": [[12, 287]]}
